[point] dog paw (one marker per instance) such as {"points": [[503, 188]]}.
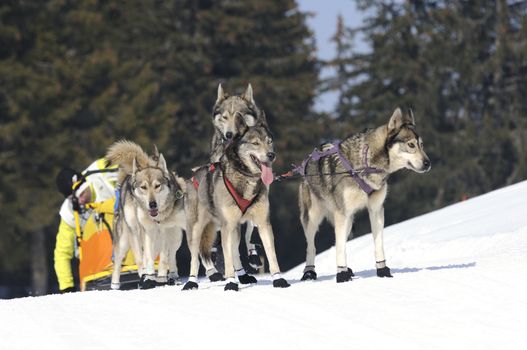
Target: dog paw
{"points": [[384, 272], [280, 283], [309, 276], [147, 282], [174, 281], [115, 286], [190, 285], [231, 286], [254, 261], [216, 276], [247, 279], [344, 276]]}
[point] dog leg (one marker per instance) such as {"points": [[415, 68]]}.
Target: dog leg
{"points": [[229, 235], [148, 280], [310, 217], [165, 242], [119, 251], [243, 276], [266, 234], [377, 225], [343, 224], [195, 239], [173, 275], [252, 253]]}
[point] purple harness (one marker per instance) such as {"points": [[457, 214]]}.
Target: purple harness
{"points": [[355, 174]]}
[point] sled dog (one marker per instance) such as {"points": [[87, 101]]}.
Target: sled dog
{"points": [[150, 215], [229, 192], [345, 177], [232, 116]]}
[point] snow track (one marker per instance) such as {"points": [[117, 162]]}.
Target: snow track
{"points": [[460, 282]]}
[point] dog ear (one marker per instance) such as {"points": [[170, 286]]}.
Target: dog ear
{"points": [[409, 117], [182, 183], [396, 120], [221, 94], [262, 119], [162, 163], [248, 94], [249, 119], [135, 167], [155, 155]]}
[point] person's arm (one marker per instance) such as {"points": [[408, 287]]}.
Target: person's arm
{"points": [[64, 250]]}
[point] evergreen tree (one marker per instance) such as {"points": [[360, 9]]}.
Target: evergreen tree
{"points": [[75, 76], [456, 65]]}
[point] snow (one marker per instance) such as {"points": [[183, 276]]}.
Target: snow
{"points": [[459, 283]]}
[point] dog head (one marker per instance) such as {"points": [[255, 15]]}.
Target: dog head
{"points": [[232, 115], [255, 149], [405, 147], [151, 185]]}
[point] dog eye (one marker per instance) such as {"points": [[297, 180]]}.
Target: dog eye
{"points": [[411, 144], [256, 143], [157, 186], [143, 187]]}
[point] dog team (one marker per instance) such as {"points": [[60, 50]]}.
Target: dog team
{"points": [[155, 205]]}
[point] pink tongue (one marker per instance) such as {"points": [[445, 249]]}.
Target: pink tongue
{"points": [[267, 174]]}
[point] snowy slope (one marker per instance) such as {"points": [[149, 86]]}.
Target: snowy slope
{"points": [[460, 283]]}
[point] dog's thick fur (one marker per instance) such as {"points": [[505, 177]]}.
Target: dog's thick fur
{"points": [[231, 117], [327, 191], [150, 216], [211, 206]]}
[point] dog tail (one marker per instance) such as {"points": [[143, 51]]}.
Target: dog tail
{"points": [[207, 240], [124, 153]]}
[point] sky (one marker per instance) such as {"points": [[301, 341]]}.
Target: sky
{"points": [[323, 23], [459, 283]]}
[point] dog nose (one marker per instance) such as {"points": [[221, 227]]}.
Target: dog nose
{"points": [[228, 135], [271, 156], [152, 204], [427, 164]]}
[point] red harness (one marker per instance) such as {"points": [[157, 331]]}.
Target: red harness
{"points": [[243, 204]]}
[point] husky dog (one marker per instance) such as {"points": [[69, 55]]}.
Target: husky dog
{"points": [[228, 193], [150, 215], [232, 116], [346, 177]]}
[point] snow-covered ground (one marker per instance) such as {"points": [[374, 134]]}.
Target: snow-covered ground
{"points": [[460, 282]]}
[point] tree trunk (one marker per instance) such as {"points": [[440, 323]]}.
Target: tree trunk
{"points": [[39, 264]]}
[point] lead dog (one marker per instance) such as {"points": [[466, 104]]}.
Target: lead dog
{"points": [[232, 116], [150, 216], [346, 177], [227, 193]]}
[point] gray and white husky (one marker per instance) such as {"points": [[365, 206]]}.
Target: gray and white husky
{"points": [[228, 193], [346, 177], [150, 215], [232, 116]]}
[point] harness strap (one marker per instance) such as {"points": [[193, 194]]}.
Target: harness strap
{"points": [[335, 149], [242, 203]]}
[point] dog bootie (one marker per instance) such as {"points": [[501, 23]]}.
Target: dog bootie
{"points": [[384, 272], [190, 285], [247, 279], [147, 282], [309, 273], [254, 259], [231, 286], [216, 276], [344, 276]]}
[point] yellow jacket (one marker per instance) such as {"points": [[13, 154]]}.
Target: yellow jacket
{"points": [[102, 186], [64, 251]]}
